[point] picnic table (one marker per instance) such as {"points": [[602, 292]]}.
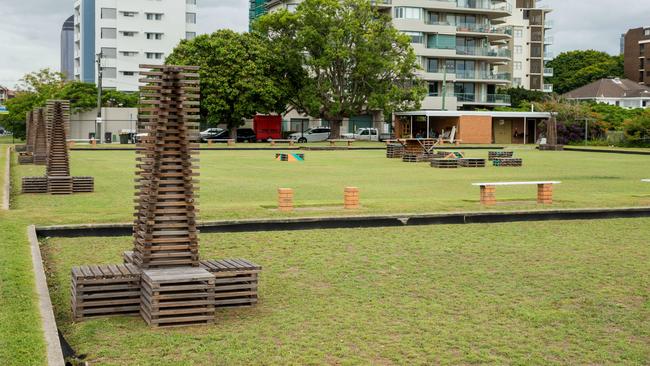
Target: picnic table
{"points": [[544, 191]]}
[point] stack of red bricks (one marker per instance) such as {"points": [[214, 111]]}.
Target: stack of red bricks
{"points": [[285, 199], [488, 195], [351, 198], [545, 194]]}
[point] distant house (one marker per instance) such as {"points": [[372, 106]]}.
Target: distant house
{"points": [[5, 94], [621, 92]]}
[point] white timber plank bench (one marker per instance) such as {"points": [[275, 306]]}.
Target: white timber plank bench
{"points": [[282, 141], [645, 180], [334, 141], [230, 142], [544, 191]]}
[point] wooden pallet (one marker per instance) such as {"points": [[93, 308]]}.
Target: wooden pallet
{"points": [[285, 157], [471, 163], [547, 147], [444, 163], [59, 185], [20, 148], [236, 281], [105, 290], [508, 162], [34, 185], [180, 296], [25, 158], [499, 154], [40, 137], [83, 184], [416, 158], [394, 151]]}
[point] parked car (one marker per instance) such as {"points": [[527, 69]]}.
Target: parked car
{"points": [[210, 133], [312, 135], [243, 135], [367, 134]]}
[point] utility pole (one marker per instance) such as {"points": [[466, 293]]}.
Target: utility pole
{"points": [[99, 96]]}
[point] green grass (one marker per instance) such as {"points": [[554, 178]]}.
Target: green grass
{"points": [[9, 140], [522, 293], [242, 184]]}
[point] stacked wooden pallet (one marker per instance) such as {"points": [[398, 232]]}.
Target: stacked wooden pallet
{"points": [[415, 158], [105, 290], [394, 151], [236, 281], [40, 137], [471, 163], [548, 147], [25, 158], [508, 162], [26, 155], [178, 296], [34, 185], [288, 157], [83, 184], [499, 154], [444, 163]]}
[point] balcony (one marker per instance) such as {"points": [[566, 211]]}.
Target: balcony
{"points": [[495, 99], [381, 2], [548, 56], [549, 24], [548, 39], [483, 52], [482, 28], [484, 5], [548, 72], [548, 88], [482, 75]]}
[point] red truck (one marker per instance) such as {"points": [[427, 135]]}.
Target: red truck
{"points": [[267, 127]]}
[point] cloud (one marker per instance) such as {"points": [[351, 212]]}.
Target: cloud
{"points": [[30, 29]]}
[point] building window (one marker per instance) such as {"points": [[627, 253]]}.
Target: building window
{"points": [[517, 65], [190, 35], [433, 88], [108, 52], [109, 72], [441, 41], [190, 18], [129, 53], [519, 50], [432, 65], [516, 82], [129, 14], [128, 33], [416, 37], [646, 32], [190, 2], [154, 16], [156, 36], [129, 73], [154, 55], [109, 33], [519, 33], [108, 13], [402, 12]]}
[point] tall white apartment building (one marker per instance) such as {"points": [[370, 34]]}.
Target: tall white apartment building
{"points": [[529, 45], [127, 33], [460, 45]]}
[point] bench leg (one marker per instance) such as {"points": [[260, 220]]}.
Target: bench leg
{"points": [[272, 143], [488, 196], [545, 194]]}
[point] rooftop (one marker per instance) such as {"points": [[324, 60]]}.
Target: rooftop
{"points": [[610, 88]]}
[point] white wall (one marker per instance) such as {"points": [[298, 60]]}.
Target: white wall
{"points": [[114, 121]]}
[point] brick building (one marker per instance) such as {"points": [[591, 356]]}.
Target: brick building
{"points": [[637, 55]]}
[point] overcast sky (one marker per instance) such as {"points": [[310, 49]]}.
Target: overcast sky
{"points": [[30, 29]]}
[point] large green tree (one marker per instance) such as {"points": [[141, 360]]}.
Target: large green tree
{"points": [[574, 69], [343, 58], [239, 76]]}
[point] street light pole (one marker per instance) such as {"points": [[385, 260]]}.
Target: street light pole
{"points": [[99, 95]]}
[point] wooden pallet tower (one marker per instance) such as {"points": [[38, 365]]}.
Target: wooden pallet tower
{"points": [[57, 178], [175, 288], [27, 156], [40, 137]]}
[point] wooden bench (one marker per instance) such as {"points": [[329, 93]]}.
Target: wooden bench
{"points": [[645, 180], [544, 191], [334, 141], [286, 141], [230, 142]]}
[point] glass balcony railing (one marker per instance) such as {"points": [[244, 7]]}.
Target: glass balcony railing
{"points": [[482, 28], [486, 99], [483, 51], [548, 71], [548, 88], [481, 75], [484, 5]]}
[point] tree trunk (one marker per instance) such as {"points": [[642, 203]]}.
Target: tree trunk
{"points": [[233, 133], [335, 126]]}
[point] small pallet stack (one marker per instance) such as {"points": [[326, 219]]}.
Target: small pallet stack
{"points": [[57, 180], [27, 155], [236, 281], [444, 163], [394, 151], [415, 158], [179, 296], [176, 288], [40, 137], [548, 147], [105, 290], [499, 154], [508, 162], [471, 163]]}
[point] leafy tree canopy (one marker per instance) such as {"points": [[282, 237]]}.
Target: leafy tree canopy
{"points": [[574, 69], [239, 76], [343, 58]]}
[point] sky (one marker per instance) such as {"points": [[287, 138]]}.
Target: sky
{"points": [[30, 29]]}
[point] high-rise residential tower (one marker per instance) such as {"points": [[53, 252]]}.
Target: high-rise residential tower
{"points": [[67, 48], [127, 33], [529, 45], [637, 55]]}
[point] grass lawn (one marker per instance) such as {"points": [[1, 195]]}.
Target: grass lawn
{"points": [[242, 184], [521, 293]]}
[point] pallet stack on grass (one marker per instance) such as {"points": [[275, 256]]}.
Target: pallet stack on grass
{"points": [[394, 151], [442, 163], [57, 180], [176, 287], [499, 154], [549, 147], [507, 162], [27, 156], [471, 163], [40, 137], [289, 157], [417, 150]]}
